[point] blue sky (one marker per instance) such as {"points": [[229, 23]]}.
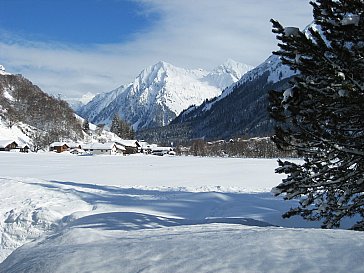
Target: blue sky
{"points": [[73, 47], [75, 21]]}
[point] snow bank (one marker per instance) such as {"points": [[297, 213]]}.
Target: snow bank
{"points": [[200, 248], [28, 210]]}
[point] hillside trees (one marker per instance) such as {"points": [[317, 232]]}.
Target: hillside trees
{"points": [[28, 104], [321, 115], [121, 128]]}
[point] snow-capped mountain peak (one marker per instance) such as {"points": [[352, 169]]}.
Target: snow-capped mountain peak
{"points": [[161, 92], [227, 73], [234, 68]]}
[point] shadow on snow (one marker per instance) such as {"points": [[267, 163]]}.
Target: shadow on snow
{"points": [[142, 208]]}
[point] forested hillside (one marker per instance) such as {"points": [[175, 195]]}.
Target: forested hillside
{"points": [[23, 102]]}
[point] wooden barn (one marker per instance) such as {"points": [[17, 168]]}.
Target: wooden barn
{"points": [[58, 147], [7, 145]]}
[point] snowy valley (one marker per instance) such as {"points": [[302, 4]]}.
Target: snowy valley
{"points": [[65, 213], [99, 207]]}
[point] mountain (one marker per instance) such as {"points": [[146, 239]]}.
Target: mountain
{"points": [[226, 74], [2, 70], [161, 92], [77, 103], [241, 109], [28, 115]]}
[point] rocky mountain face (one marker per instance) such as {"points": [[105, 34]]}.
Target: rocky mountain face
{"points": [[160, 93], [241, 109]]}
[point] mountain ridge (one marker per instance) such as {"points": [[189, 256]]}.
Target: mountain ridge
{"points": [[241, 109], [160, 92]]}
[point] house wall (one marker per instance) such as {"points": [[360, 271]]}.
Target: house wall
{"points": [[59, 149], [100, 152], [9, 147]]}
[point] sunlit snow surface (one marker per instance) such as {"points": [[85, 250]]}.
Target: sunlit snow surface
{"points": [[157, 214]]}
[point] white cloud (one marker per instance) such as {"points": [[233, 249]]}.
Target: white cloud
{"points": [[190, 33]]}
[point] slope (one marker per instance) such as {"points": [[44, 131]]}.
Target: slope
{"points": [[241, 109], [27, 113]]}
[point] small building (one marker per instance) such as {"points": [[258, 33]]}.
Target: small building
{"points": [[162, 151], [58, 147], [23, 148], [73, 145], [130, 146], [61, 147], [108, 148], [147, 148], [7, 145]]}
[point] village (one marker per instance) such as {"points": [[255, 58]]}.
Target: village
{"points": [[117, 147]]}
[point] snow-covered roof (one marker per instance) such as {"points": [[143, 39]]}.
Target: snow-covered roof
{"points": [[150, 146], [5, 142], [23, 146], [69, 144], [128, 143], [73, 144], [99, 146], [143, 144], [120, 147], [58, 144], [161, 148]]}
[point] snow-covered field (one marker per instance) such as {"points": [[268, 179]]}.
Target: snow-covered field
{"points": [[157, 214]]}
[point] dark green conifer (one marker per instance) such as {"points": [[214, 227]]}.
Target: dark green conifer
{"points": [[321, 115]]}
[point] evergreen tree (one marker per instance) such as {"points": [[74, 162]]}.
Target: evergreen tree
{"points": [[121, 128], [321, 116], [116, 125], [86, 126]]}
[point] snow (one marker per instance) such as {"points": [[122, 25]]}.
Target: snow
{"points": [[8, 96], [273, 66], [199, 248], [16, 133], [291, 31], [181, 87], [226, 74], [157, 214], [165, 86], [191, 173], [287, 94], [2, 70], [351, 19]]}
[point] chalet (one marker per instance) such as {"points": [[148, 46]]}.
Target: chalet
{"points": [[108, 148], [162, 151], [147, 148], [130, 146], [61, 147], [58, 147], [7, 145], [23, 148]]}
